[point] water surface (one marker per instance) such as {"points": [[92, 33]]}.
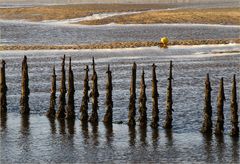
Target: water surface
{"points": [[21, 32], [37, 139]]}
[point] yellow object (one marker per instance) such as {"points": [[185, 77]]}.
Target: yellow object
{"points": [[164, 40]]}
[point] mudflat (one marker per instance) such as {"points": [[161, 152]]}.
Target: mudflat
{"points": [[225, 16], [60, 12], [114, 45]]}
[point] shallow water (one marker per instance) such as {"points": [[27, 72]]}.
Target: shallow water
{"points": [[41, 140], [181, 3], [20, 32]]}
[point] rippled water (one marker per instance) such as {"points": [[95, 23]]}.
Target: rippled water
{"points": [[38, 139], [13, 32]]}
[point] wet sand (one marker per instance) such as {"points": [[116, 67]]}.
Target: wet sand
{"points": [[224, 16], [173, 14], [115, 45], [60, 12]]}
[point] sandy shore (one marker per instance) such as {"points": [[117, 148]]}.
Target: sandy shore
{"points": [[226, 16], [61, 12], [114, 45]]}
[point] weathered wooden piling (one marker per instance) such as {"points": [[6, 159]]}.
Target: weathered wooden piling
{"points": [[220, 104], [234, 109], [109, 103], [142, 102], [25, 89], [51, 111], [3, 88], [155, 95], [62, 99], [207, 123], [169, 102], [94, 95], [85, 98], [132, 101], [70, 112]]}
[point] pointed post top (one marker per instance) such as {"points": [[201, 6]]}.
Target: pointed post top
{"points": [[3, 63], [207, 77], [170, 71], [143, 71], [63, 58], [93, 64], [222, 87], [93, 61], [86, 68], [234, 77], [207, 82], [134, 65], [108, 70], [24, 59], [53, 70], [70, 63], [154, 66]]}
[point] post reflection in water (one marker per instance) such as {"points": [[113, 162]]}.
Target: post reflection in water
{"points": [[143, 135], [132, 135], [109, 133], [220, 148], [24, 139], [169, 136], [52, 124], [71, 126], [85, 133], [235, 150], [24, 125], [155, 137], [3, 120], [207, 143], [95, 134], [62, 128]]}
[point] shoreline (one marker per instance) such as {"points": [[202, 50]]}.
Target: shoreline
{"points": [[223, 16], [116, 45], [99, 14], [71, 11]]}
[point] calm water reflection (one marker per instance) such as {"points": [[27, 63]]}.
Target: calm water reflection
{"points": [[101, 142], [52, 124], [39, 139], [3, 120]]}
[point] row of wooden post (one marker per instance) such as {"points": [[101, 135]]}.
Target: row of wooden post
{"points": [[68, 112], [207, 123]]}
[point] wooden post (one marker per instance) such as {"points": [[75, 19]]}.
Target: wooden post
{"points": [[220, 104], [51, 112], [132, 108], [234, 109], [70, 113], [207, 123], [109, 103], [85, 98], [3, 88], [169, 110], [94, 95], [25, 90], [155, 95], [62, 99], [142, 102]]}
